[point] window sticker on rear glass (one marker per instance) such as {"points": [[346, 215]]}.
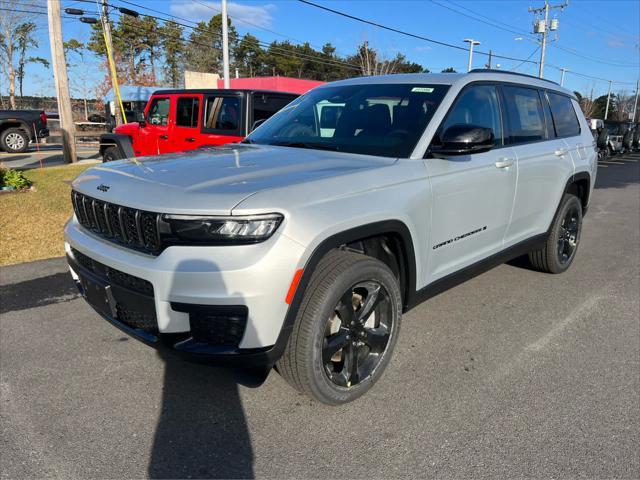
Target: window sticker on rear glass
{"points": [[422, 90]]}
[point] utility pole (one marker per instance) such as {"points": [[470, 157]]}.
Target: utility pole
{"points": [[225, 45], [606, 110], [471, 43], [106, 29], [62, 82], [563, 70], [635, 105], [543, 27], [488, 65]]}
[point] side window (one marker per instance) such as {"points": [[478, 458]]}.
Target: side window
{"points": [[158, 113], [222, 113], [265, 106], [526, 118], [187, 110], [564, 116], [478, 105]]}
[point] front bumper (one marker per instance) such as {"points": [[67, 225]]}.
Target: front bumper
{"points": [[188, 284]]}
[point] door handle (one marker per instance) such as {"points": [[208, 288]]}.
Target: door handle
{"points": [[164, 137], [190, 139], [504, 163], [561, 152]]}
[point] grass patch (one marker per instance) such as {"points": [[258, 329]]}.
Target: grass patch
{"points": [[31, 223]]}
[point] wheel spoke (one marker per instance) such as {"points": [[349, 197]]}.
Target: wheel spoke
{"points": [[334, 343], [370, 303], [377, 338], [351, 365]]}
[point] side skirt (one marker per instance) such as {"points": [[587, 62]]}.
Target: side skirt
{"points": [[456, 278]]}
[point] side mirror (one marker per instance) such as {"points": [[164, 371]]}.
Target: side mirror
{"points": [[141, 120], [256, 124], [462, 139]]}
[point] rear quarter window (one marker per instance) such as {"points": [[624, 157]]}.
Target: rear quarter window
{"points": [[565, 119]]}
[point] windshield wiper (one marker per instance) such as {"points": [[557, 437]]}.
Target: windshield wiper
{"points": [[310, 145]]}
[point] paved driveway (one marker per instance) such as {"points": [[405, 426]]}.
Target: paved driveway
{"points": [[512, 374]]}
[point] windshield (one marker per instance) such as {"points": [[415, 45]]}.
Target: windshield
{"points": [[383, 119]]}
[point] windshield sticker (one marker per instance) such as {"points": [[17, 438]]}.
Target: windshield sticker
{"points": [[422, 90]]}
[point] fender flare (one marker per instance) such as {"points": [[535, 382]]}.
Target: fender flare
{"points": [[394, 227], [120, 141]]}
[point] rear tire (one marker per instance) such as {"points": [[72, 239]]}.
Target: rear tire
{"points": [[14, 140], [345, 330], [562, 244], [111, 154]]}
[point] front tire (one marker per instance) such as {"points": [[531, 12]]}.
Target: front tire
{"points": [[345, 330], [14, 140], [562, 244]]}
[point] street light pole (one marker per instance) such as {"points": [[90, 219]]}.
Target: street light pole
{"points": [[606, 110], [563, 70], [225, 45], [471, 43]]}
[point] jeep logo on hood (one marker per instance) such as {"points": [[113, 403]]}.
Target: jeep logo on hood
{"points": [[103, 188]]}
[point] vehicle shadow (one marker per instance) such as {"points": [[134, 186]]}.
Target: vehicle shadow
{"points": [[201, 430]]}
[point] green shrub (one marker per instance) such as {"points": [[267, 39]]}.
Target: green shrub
{"points": [[13, 178]]}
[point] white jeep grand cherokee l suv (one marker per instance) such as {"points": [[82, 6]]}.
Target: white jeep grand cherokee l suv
{"points": [[301, 247]]}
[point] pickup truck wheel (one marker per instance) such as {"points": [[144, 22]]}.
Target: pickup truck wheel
{"points": [[14, 140], [111, 154], [345, 330], [562, 244]]}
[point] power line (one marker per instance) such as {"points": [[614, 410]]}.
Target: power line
{"points": [[402, 32]]}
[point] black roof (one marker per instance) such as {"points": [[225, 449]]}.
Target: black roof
{"points": [[220, 90]]}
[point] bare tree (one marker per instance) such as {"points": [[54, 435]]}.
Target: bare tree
{"points": [[11, 26], [625, 103]]}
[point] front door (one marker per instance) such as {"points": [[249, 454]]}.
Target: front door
{"points": [[222, 119], [472, 195], [186, 134]]}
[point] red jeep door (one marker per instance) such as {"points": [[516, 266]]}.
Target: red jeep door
{"points": [[186, 135], [222, 119], [155, 135]]}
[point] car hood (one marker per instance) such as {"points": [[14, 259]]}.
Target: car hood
{"points": [[214, 180]]}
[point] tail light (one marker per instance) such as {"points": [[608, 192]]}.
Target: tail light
{"points": [[43, 119]]}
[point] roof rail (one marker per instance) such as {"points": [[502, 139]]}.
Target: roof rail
{"points": [[493, 70]]}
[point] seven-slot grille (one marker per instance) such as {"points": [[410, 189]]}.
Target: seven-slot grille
{"points": [[128, 226]]}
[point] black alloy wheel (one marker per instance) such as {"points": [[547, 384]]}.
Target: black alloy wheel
{"points": [[357, 334]]}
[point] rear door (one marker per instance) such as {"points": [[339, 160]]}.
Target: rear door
{"points": [[544, 161], [472, 194], [264, 105], [222, 119], [154, 136], [186, 134]]}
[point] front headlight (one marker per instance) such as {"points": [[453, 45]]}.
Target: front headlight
{"points": [[220, 230]]}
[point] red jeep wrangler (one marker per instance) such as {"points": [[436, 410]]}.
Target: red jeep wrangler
{"points": [[180, 120]]}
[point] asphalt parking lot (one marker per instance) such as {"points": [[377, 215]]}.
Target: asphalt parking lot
{"points": [[46, 156], [513, 374]]}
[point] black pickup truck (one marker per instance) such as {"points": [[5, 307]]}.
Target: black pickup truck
{"points": [[19, 127]]}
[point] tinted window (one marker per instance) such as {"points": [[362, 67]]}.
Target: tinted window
{"points": [[266, 105], [479, 106], [187, 112], [378, 119], [158, 113], [526, 119], [564, 116], [222, 113]]}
